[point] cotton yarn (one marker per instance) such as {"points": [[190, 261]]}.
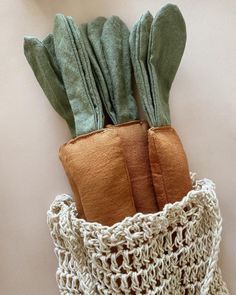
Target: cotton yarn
{"points": [[174, 251]]}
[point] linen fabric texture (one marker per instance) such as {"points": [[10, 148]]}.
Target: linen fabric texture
{"points": [[157, 45], [85, 71], [169, 165], [109, 172]]}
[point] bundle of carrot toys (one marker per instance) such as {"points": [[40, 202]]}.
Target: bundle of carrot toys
{"points": [[138, 221]]}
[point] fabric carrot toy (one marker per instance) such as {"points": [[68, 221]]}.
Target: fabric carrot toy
{"points": [[107, 45], [108, 181], [118, 165], [85, 72], [157, 47]]}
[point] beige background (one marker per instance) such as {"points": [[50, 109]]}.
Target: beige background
{"points": [[203, 105]]}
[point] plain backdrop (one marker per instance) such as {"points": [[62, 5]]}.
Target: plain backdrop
{"points": [[203, 110]]}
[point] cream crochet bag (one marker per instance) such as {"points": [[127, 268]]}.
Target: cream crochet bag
{"points": [[174, 251]]}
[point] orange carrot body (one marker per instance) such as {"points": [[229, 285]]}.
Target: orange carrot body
{"points": [[74, 188], [134, 142], [96, 164], [170, 172]]}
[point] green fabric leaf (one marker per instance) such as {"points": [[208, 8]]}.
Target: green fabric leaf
{"points": [[94, 33], [139, 39], [98, 74], [115, 44], [42, 59], [81, 69], [155, 67], [166, 47], [76, 73]]}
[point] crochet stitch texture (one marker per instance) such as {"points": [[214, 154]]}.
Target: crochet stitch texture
{"points": [[174, 251]]}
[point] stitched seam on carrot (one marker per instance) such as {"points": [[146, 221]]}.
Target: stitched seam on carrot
{"points": [[126, 169], [74, 140], [163, 128], [125, 124], [64, 159], [162, 176]]}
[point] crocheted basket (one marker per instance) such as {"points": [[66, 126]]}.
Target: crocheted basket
{"points": [[174, 251]]}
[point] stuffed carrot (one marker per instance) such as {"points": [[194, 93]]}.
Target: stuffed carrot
{"points": [[94, 160], [170, 173], [109, 181], [134, 140], [157, 47], [42, 58], [109, 40], [97, 166]]}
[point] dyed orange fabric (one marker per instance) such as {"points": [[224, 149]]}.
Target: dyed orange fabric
{"points": [[170, 172], [75, 191], [134, 142], [97, 166]]}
